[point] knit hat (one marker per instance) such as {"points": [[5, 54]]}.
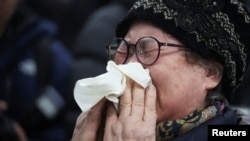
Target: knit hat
{"points": [[215, 29]]}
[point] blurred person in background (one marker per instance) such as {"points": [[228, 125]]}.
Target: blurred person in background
{"points": [[10, 130], [34, 72]]}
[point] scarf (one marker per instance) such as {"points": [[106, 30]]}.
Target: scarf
{"points": [[167, 130]]}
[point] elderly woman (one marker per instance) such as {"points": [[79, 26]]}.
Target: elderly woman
{"points": [[196, 53]]}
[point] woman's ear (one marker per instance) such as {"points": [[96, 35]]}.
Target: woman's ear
{"points": [[214, 75]]}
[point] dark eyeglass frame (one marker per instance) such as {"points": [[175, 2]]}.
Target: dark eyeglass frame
{"points": [[109, 48]]}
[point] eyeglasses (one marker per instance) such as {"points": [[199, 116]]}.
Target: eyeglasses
{"points": [[147, 50]]}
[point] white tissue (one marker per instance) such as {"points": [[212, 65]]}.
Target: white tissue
{"points": [[90, 91]]}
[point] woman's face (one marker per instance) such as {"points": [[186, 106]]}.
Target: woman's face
{"points": [[181, 86]]}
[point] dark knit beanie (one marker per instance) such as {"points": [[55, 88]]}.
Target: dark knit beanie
{"points": [[215, 29]]}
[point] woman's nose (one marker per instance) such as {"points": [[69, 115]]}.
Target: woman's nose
{"points": [[132, 58], [132, 54]]}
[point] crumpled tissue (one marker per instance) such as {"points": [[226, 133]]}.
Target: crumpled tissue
{"points": [[111, 85]]}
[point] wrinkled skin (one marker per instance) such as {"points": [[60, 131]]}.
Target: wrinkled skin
{"points": [[179, 87], [138, 110]]}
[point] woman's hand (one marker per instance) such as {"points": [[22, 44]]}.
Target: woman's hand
{"points": [[137, 117], [88, 124]]}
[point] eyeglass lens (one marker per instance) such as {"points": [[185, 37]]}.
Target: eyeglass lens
{"points": [[146, 50]]}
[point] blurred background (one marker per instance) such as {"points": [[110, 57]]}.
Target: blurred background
{"points": [[45, 47]]}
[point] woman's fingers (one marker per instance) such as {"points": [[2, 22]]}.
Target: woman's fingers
{"points": [[111, 118], [95, 115], [125, 102], [138, 103], [111, 115], [150, 104], [140, 123], [80, 121], [88, 123]]}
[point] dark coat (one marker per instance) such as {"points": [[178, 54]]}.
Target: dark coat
{"points": [[202, 132]]}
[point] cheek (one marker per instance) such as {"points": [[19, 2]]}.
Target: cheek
{"points": [[165, 75], [176, 87], [166, 82], [175, 101]]}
